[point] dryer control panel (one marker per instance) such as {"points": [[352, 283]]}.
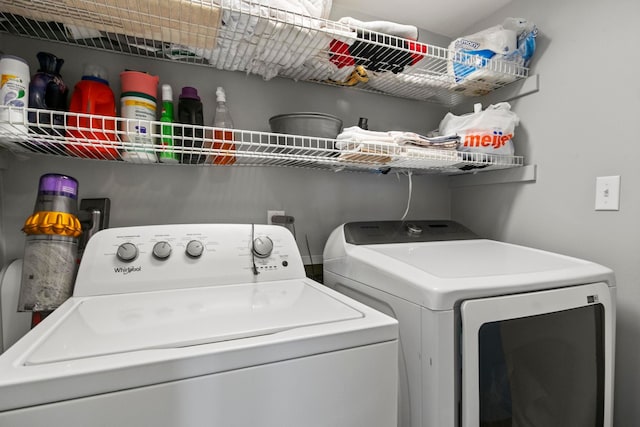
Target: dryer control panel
{"points": [[151, 258]]}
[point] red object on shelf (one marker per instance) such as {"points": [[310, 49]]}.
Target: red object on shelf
{"points": [[377, 52], [92, 95]]}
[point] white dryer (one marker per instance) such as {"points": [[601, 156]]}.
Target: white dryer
{"points": [[193, 325], [491, 334]]}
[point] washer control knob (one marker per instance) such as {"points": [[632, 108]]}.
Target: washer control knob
{"points": [[262, 246], [127, 252], [195, 248], [162, 250]]}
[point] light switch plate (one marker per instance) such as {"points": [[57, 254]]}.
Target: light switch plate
{"points": [[608, 193]]}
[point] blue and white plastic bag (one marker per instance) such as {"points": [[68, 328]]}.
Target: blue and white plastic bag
{"points": [[513, 43]]}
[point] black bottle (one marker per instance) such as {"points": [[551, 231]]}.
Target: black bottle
{"points": [[190, 113], [47, 91]]}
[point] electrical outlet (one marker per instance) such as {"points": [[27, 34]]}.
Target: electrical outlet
{"points": [[608, 193], [270, 214]]}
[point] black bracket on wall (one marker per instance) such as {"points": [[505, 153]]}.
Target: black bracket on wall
{"points": [[93, 216]]}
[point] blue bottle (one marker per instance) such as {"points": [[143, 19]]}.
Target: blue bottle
{"points": [[48, 91]]}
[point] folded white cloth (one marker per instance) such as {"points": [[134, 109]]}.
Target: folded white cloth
{"points": [[449, 142], [261, 37], [354, 137], [78, 33], [357, 134], [261, 40], [385, 27]]}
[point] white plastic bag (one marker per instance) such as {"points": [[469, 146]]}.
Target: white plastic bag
{"points": [[513, 43], [483, 131]]}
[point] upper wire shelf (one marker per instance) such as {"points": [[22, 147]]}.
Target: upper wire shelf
{"points": [[87, 136], [246, 36]]}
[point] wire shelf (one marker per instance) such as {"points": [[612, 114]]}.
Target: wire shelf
{"points": [[87, 136], [246, 36]]}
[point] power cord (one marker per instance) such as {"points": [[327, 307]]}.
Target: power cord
{"points": [[313, 265], [288, 222], [409, 174], [253, 254]]}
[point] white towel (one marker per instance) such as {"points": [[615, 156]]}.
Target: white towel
{"points": [[352, 137], [78, 33], [258, 39], [399, 30], [357, 134], [258, 36]]}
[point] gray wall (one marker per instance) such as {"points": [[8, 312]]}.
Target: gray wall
{"points": [[580, 125], [153, 194]]}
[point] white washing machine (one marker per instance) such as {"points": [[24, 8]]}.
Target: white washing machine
{"points": [[491, 334], [193, 325]]}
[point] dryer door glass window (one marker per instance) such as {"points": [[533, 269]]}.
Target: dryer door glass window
{"points": [[543, 370]]}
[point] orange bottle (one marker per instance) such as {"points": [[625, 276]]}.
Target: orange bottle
{"points": [[92, 95]]}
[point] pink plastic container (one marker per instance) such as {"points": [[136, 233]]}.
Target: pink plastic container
{"points": [[136, 81], [138, 101]]}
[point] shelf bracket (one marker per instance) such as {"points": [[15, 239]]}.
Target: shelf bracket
{"points": [[525, 87], [514, 91], [503, 176], [507, 93]]}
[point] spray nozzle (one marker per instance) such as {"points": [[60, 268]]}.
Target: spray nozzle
{"points": [[167, 93], [220, 95]]}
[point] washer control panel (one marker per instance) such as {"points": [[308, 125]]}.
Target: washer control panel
{"points": [[145, 258]]}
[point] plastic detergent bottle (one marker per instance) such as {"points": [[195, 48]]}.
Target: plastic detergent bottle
{"points": [[14, 93], [14, 86], [138, 104], [190, 113], [167, 155], [92, 136], [47, 91], [222, 139]]}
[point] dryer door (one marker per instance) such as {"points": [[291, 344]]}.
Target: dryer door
{"points": [[538, 359]]}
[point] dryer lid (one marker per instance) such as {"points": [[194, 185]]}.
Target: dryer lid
{"points": [[476, 259], [113, 324], [437, 275]]}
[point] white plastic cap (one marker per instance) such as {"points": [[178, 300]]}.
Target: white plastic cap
{"points": [[93, 70], [167, 93], [220, 95]]}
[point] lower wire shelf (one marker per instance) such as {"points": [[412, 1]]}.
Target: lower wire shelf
{"points": [[137, 141]]}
